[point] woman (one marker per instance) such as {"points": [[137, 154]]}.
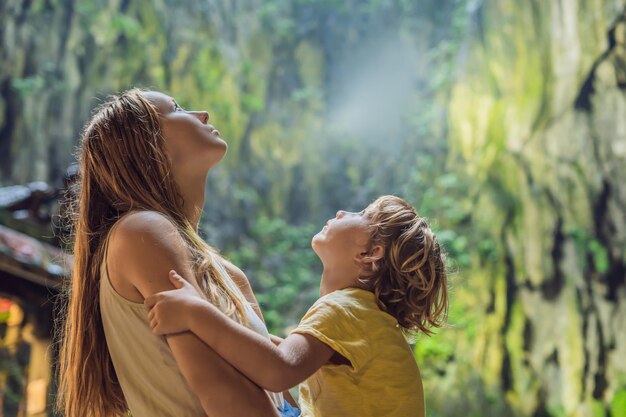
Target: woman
{"points": [[143, 166]]}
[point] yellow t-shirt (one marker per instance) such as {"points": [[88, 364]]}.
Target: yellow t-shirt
{"points": [[384, 379]]}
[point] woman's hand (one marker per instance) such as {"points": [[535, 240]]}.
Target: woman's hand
{"points": [[170, 311]]}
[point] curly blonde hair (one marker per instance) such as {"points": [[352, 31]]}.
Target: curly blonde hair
{"points": [[409, 280]]}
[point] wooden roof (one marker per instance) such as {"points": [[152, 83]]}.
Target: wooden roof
{"points": [[30, 258]]}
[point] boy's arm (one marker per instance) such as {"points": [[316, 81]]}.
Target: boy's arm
{"points": [[277, 340], [275, 368], [239, 277]]}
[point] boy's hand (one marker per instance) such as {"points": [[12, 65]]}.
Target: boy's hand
{"points": [[277, 340], [170, 311]]}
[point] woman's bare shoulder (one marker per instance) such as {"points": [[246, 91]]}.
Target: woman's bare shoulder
{"points": [[241, 280], [235, 273], [143, 247], [145, 230], [142, 221]]}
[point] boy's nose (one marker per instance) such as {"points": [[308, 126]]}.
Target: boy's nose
{"points": [[340, 214]]}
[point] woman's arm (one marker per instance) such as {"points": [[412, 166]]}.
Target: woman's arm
{"points": [[143, 248], [275, 368]]}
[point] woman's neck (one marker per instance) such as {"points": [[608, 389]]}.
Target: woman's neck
{"points": [[193, 193]]}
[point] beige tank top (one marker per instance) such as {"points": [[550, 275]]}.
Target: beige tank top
{"points": [[147, 371]]}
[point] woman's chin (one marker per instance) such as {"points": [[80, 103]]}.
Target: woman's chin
{"points": [[219, 145], [216, 155]]}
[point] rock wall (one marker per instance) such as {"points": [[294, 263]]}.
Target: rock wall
{"points": [[538, 117]]}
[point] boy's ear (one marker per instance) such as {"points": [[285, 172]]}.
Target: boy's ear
{"points": [[375, 254]]}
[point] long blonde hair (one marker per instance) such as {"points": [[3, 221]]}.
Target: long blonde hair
{"points": [[123, 167]]}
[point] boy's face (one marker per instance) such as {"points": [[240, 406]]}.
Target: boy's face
{"points": [[343, 238]]}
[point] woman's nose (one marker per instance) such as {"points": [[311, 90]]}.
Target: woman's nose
{"points": [[340, 214], [202, 116]]}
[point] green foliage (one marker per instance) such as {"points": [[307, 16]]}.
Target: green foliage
{"points": [[588, 245], [557, 411], [28, 85], [597, 409], [599, 255], [618, 404], [276, 19], [282, 268], [434, 352], [125, 25], [13, 373]]}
